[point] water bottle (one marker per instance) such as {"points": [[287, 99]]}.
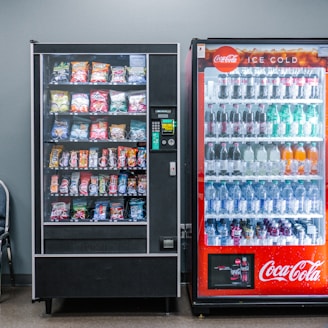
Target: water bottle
{"points": [[314, 197], [210, 197], [223, 233], [249, 196], [210, 159], [236, 196], [300, 195], [223, 196], [261, 194], [274, 158], [274, 195], [262, 157], [210, 231], [287, 194]]}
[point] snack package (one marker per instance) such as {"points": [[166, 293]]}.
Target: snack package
{"points": [[137, 130], [83, 156], [74, 186], [60, 73], [59, 101], [132, 185], [59, 211], [118, 74], [103, 160], [100, 212], [60, 129], [64, 185], [103, 180], [64, 160], [112, 158], [122, 183], [54, 157], [136, 74], [131, 157], [80, 71], [99, 130], [99, 72], [118, 102], [113, 184], [117, 210], [74, 160], [142, 157], [137, 102], [80, 103], [54, 184], [93, 158], [121, 157], [99, 101], [142, 184], [93, 187], [136, 206], [85, 178], [80, 210], [117, 131], [80, 129]]}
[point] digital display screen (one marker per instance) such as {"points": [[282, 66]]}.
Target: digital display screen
{"points": [[167, 126]]}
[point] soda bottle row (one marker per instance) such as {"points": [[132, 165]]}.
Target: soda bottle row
{"points": [[272, 120], [261, 83], [263, 197], [241, 232], [261, 159]]}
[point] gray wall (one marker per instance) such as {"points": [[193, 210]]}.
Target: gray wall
{"points": [[115, 22]]}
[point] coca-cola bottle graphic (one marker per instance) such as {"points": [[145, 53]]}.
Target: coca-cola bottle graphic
{"points": [[235, 273], [244, 269]]}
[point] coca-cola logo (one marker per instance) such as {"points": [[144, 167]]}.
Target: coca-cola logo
{"points": [[226, 59], [304, 270]]}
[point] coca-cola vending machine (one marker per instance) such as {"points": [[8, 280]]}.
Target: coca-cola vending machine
{"points": [[257, 196]]}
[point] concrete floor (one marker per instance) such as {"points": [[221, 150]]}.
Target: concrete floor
{"points": [[17, 310]]}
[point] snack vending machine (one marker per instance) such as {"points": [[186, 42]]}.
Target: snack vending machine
{"points": [[258, 156], [105, 171]]}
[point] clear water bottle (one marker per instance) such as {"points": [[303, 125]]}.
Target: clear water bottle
{"points": [[236, 196], [210, 197], [261, 194], [223, 196], [249, 196], [314, 197], [300, 195], [262, 158], [287, 194], [274, 195], [223, 233], [210, 230]]}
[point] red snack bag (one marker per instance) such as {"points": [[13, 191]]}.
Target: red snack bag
{"points": [[99, 101], [80, 71], [99, 130], [99, 72]]}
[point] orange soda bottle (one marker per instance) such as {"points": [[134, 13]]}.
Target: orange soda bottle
{"points": [[287, 155], [300, 157], [313, 156]]}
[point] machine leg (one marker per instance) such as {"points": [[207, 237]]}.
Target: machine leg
{"points": [[48, 302]]}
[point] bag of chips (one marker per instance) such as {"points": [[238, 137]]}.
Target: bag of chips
{"points": [[60, 129], [64, 185], [118, 102], [80, 210], [99, 130], [80, 129], [136, 74], [137, 130], [117, 131], [80, 71], [137, 102], [117, 210], [54, 156], [118, 74], [60, 211], [80, 103], [60, 73], [99, 101], [100, 212], [59, 101], [99, 72]]}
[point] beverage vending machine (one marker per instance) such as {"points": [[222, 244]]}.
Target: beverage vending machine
{"points": [[105, 171], [257, 195]]}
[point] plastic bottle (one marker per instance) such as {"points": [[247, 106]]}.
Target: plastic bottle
{"points": [[249, 121], [236, 159], [222, 121], [236, 196], [223, 159], [223, 233], [236, 86], [313, 156], [287, 194], [275, 86], [300, 156], [313, 195], [263, 86], [236, 121], [210, 197], [223, 196], [286, 118], [249, 196], [210, 231], [211, 121], [261, 194], [236, 234], [210, 159], [273, 121], [274, 158], [250, 86], [300, 195], [223, 86], [287, 156], [274, 195], [311, 127], [262, 157], [261, 118], [299, 120]]}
